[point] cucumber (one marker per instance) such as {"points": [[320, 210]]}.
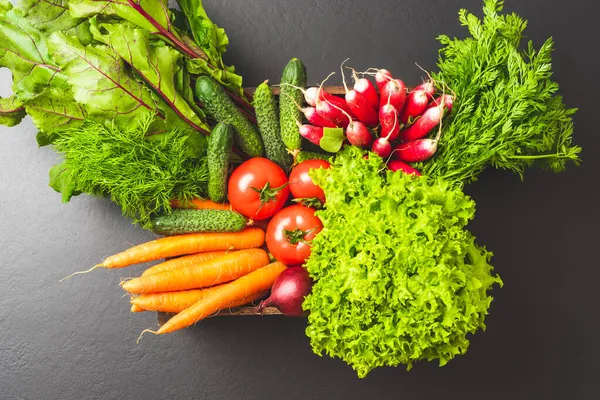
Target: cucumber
{"points": [[294, 73], [311, 155], [219, 148], [218, 105], [268, 125], [183, 221]]}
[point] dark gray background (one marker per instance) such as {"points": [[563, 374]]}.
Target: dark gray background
{"points": [[76, 339]]}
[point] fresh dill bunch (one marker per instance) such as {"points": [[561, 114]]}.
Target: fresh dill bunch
{"points": [[507, 112], [139, 172]]}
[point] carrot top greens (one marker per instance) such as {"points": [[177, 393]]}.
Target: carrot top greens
{"points": [[507, 113]]}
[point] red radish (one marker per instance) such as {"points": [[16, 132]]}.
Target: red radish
{"points": [[358, 134], [366, 88], [382, 147], [359, 105], [446, 99], [288, 292], [428, 87], [422, 126], [396, 165], [361, 108], [335, 100], [382, 76], [416, 150], [332, 112], [310, 95], [390, 124], [416, 103], [394, 93], [313, 134], [314, 118]]}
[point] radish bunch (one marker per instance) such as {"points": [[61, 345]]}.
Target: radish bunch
{"points": [[384, 116]]}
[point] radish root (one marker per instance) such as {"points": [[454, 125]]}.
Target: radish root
{"points": [[82, 272]]}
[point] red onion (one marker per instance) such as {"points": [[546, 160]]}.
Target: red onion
{"points": [[288, 292]]}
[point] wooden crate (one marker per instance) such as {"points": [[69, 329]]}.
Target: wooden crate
{"points": [[251, 310]]}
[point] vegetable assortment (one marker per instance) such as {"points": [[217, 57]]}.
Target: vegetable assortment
{"points": [[357, 197]]}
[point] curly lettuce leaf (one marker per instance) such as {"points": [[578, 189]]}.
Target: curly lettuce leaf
{"points": [[158, 64], [398, 277]]}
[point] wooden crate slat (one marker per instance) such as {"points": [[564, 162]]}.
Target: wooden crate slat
{"points": [[233, 312], [329, 89]]}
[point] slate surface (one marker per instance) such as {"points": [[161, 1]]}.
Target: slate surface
{"points": [[76, 340]]}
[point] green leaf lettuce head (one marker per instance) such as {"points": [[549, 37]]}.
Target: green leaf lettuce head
{"points": [[398, 277]]}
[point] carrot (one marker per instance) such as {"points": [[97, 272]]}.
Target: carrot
{"points": [[175, 302], [206, 274], [201, 204], [136, 308], [260, 280], [184, 261], [173, 246]]}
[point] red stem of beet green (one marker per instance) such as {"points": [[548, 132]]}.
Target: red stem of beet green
{"points": [[178, 43]]}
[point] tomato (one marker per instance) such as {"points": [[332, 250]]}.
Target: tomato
{"points": [[289, 234], [258, 188], [301, 185]]}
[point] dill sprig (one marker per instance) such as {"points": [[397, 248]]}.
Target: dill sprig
{"points": [[507, 113], [140, 173]]}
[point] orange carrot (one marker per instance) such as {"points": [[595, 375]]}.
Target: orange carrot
{"points": [[206, 274], [136, 308], [184, 261], [175, 302], [200, 204], [173, 246], [260, 280]]}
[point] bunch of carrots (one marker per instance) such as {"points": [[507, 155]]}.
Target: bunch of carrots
{"points": [[211, 272]]}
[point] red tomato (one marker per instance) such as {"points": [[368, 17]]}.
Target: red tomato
{"points": [[258, 188], [289, 234], [301, 185]]}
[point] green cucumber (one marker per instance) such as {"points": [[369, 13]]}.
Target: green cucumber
{"points": [[311, 155], [268, 125], [179, 222], [219, 149], [218, 105], [294, 74]]}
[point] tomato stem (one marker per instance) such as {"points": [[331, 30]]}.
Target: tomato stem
{"points": [[267, 193], [309, 202], [297, 236]]}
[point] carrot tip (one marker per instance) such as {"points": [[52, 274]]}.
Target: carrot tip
{"points": [[142, 334], [82, 272]]}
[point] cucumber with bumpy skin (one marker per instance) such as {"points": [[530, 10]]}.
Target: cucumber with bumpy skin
{"points": [[218, 105], [268, 125], [219, 148], [179, 222], [311, 155], [294, 74]]}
